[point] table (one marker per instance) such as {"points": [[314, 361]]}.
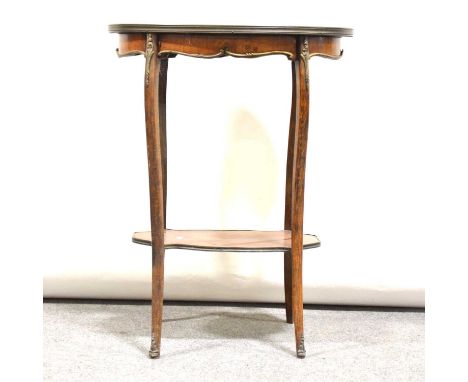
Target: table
{"points": [[159, 43]]}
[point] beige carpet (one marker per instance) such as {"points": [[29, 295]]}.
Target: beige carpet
{"points": [[106, 341]]}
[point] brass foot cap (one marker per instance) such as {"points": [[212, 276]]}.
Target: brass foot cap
{"points": [[301, 353]]}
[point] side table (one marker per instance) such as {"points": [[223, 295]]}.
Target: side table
{"points": [[158, 43]]}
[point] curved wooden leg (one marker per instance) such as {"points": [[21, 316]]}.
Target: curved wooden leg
{"points": [[297, 197], [288, 197], [288, 286], [162, 127], [156, 186]]}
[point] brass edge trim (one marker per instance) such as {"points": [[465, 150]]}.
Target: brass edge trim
{"points": [[232, 29], [225, 52], [253, 54], [129, 53], [330, 56], [149, 52], [163, 53], [225, 249]]}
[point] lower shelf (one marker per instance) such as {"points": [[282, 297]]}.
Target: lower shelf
{"points": [[228, 241]]}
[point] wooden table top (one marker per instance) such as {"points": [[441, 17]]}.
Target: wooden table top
{"points": [[231, 29]]}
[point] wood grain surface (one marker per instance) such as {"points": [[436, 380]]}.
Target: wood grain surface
{"points": [[230, 241]]}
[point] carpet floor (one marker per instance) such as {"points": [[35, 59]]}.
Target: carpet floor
{"points": [[108, 341]]}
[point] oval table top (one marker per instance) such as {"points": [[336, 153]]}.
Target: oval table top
{"points": [[231, 29]]}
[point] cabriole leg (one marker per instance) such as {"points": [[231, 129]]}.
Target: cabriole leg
{"points": [[297, 195], [288, 200], [155, 146]]}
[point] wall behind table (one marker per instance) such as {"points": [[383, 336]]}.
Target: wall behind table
{"points": [[227, 137]]}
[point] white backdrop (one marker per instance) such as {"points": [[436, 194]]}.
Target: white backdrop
{"points": [[374, 169]]}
